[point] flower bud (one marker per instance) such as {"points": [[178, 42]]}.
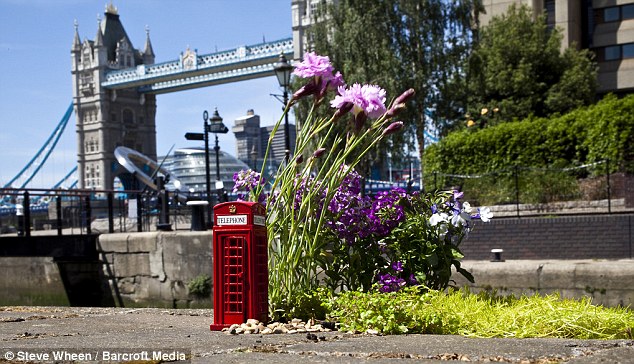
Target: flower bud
{"points": [[344, 109], [299, 159], [393, 128], [394, 110], [359, 120], [319, 152], [308, 89], [404, 97]]}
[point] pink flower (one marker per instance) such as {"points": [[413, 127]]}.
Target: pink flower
{"points": [[320, 72], [367, 99], [313, 66], [336, 81]]}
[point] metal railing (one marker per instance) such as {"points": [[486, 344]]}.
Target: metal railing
{"points": [[78, 211], [529, 191]]}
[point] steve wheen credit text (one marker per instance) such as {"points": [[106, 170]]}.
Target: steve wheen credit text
{"points": [[102, 355]]}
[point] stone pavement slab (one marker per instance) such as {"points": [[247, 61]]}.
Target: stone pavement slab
{"points": [[39, 330]]}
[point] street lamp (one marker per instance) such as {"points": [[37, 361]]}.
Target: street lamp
{"points": [[204, 136], [216, 127], [283, 72]]}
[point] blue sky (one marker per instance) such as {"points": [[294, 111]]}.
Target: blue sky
{"points": [[35, 79]]}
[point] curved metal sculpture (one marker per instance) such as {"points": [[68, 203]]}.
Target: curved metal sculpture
{"points": [[127, 158], [131, 160]]}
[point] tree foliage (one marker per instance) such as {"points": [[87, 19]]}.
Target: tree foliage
{"points": [[586, 135], [401, 44], [518, 67]]}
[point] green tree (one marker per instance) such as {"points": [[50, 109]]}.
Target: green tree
{"points": [[354, 34], [518, 67], [401, 44]]}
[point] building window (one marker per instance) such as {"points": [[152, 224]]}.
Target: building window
{"points": [[628, 50], [128, 116], [627, 12], [612, 53], [113, 116], [611, 14], [549, 7], [616, 52]]}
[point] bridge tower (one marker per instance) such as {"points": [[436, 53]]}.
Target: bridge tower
{"points": [[109, 118]]}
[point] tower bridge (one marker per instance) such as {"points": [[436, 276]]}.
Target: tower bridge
{"points": [[115, 87], [192, 70]]}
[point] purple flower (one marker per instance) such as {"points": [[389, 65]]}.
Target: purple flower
{"points": [[412, 281], [397, 266], [390, 283], [367, 99], [247, 181], [350, 210], [308, 89], [386, 212], [404, 97]]}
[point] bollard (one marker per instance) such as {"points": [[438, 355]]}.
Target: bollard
{"points": [[241, 279], [198, 215], [497, 255]]}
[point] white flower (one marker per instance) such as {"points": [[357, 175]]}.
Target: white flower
{"points": [[466, 207], [461, 219], [437, 218], [485, 214]]}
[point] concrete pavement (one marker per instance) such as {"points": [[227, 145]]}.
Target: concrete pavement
{"points": [[32, 332]]}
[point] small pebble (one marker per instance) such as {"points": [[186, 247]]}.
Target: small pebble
{"points": [[295, 326]]}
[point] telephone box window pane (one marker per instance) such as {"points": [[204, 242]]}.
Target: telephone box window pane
{"points": [[612, 53]]}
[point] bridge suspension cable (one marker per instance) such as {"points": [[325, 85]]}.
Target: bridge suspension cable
{"points": [[66, 179], [37, 162]]}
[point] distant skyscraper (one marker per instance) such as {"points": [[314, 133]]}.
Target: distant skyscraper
{"points": [[278, 146], [252, 139], [247, 132]]}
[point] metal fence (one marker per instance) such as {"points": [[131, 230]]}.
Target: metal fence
{"points": [[92, 211], [525, 191]]}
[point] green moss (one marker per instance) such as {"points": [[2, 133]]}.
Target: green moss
{"points": [[414, 310]]}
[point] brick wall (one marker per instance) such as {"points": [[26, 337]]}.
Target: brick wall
{"points": [[566, 237]]}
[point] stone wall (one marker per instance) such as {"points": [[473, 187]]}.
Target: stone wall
{"points": [[607, 282], [154, 268]]}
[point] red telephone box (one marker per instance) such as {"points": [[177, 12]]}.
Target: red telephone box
{"points": [[241, 276]]}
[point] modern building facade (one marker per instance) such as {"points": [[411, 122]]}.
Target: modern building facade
{"points": [[606, 27], [106, 118], [188, 167]]}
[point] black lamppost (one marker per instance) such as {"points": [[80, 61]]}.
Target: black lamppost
{"points": [[283, 72], [204, 136], [216, 127]]}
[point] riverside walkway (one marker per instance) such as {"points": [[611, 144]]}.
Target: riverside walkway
{"points": [[109, 334]]}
